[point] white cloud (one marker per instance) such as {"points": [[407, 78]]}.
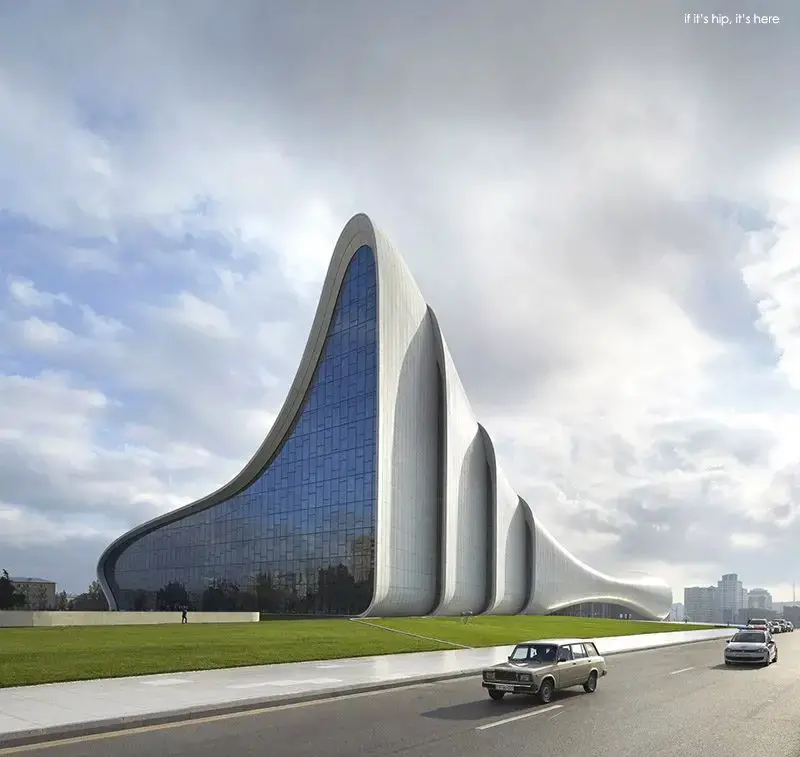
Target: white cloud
{"points": [[101, 326], [772, 268], [26, 528], [749, 541], [197, 314], [26, 293], [39, 333]]}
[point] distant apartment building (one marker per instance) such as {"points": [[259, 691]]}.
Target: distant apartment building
{"points": [[791, 612], [759, 599], [40, 594], [731, 598], [701, 604]]}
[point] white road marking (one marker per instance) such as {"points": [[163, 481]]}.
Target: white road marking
{"points": [[682, 670], [330, 666], [166, 682], [519, 717]]}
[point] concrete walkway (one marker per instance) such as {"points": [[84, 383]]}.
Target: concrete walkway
{"points": [[59, 710]]}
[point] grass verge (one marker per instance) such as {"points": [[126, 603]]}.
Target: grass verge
{"points": [[495, 631], [49, 655]]}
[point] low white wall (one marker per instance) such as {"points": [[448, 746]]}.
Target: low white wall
{"points": [[30, 619]]}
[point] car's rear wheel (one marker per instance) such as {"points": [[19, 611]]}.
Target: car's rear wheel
{"points": [[496, 695], [591, 683], [546, 691]]}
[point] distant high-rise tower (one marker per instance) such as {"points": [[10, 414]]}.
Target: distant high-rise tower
{"points": [[731, 597]]}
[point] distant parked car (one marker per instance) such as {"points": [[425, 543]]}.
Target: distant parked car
{"points": [[540, 668], [753, 646]]}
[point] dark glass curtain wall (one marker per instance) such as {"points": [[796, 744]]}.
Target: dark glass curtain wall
{"points": [[301, 537]]}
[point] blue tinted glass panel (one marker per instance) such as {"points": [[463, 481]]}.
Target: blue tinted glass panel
{"points": [[301, 537]]}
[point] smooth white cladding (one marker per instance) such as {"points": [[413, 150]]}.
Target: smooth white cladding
{"points": [[407, 526], [510, 535], [560, 580], [466, 497], [492, 554]]}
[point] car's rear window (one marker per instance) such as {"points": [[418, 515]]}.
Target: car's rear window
{"points": [[750, 637]]}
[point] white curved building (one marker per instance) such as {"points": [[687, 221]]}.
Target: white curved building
{"points": [[377, 492]]}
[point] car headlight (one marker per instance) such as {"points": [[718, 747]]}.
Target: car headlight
{"points": [[489, 675], [526, 677]]}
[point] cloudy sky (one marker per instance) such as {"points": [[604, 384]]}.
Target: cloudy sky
{"points": [[601, 202]]}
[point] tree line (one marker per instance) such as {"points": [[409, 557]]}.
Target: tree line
{"points": [[12, 598], [336, 592]]}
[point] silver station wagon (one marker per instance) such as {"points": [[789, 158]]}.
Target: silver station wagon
{"points": [[540, 668]]}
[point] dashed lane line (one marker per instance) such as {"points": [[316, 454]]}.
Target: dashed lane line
{"points": [[514, 718]]}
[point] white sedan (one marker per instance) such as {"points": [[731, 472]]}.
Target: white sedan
{"points": [[751, 646]]}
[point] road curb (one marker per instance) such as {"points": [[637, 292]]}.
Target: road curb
{"points": [[653, 647], [187, 714]]}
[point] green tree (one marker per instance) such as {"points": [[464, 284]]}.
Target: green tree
{"points": [[221, 596], [61, 601], [269, 598], [93, 599], [173, 596], [10, 597]]}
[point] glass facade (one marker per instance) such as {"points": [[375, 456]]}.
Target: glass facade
{"points": [[301, 537], [600, 610]]}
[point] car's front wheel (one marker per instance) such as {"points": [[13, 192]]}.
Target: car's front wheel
{"points": [[496, 695], [546, 691], [591, 683]]}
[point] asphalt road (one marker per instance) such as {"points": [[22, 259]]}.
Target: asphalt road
{"points": [[677, 701]]}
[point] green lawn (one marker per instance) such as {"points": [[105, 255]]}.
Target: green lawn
{"points": [[491, 631], [46, 655]]}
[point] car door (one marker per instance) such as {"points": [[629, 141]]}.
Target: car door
{"points": [[566, 667], [582, 663]]}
